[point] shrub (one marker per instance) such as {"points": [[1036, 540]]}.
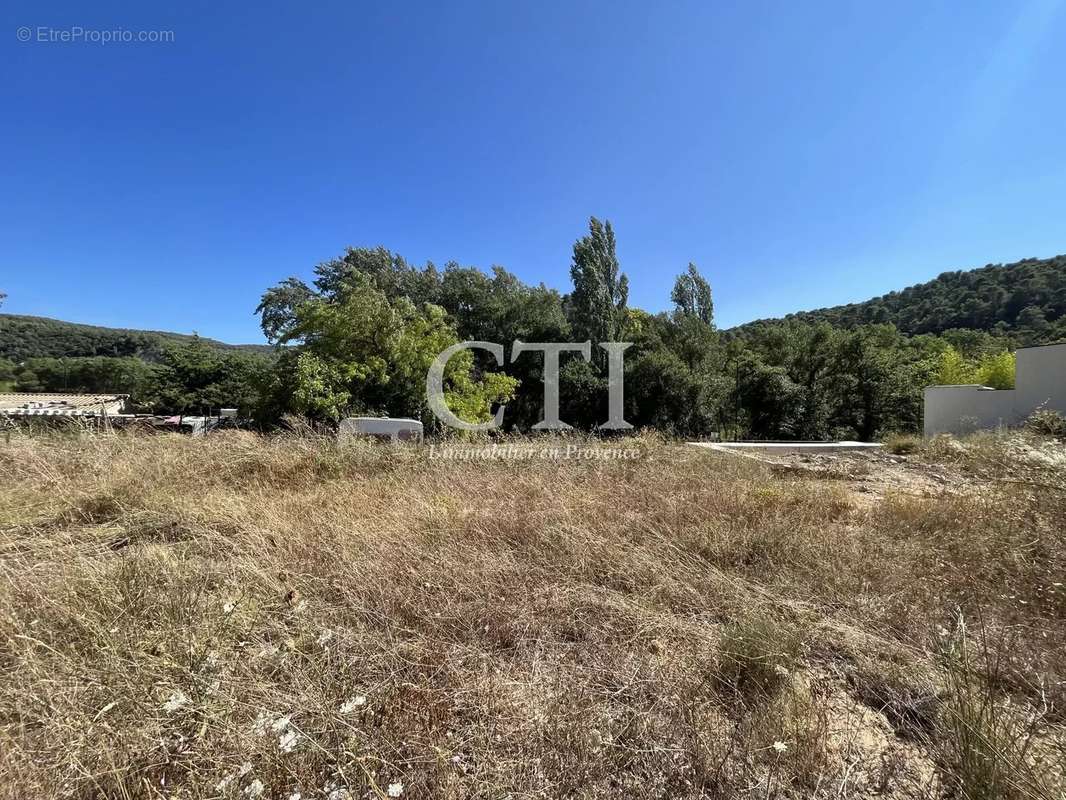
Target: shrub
{"points": [[994, 369], [984, 744], [757, 655], [1047, 422], [903, 443]]}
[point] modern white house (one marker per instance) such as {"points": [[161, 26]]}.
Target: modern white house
{"points": [[1039, 381]]}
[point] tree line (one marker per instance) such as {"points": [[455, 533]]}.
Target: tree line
{"points": [[358, 339]]}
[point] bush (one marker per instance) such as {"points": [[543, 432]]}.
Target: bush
{"points": [[996, 370], [757, 657], [903, 443], [984, 742], [1047, 422]]}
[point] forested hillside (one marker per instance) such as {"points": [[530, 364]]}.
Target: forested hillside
{"points": [[1026, 299], [162, 372], [360, 337], [23, 337]]}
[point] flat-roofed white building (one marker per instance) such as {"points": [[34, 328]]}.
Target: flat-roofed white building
{"points": [[1039, 382]]}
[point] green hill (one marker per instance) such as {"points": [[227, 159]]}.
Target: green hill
{"points": [[23, 337], [1026, 299]]}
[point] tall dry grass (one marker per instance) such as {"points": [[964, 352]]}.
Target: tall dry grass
{"points": [[241, 616]]}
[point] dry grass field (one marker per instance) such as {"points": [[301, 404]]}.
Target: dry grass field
{"points": [[240, 617]]}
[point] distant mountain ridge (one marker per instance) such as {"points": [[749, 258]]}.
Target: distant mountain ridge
{"points": [[1027, 297], [23, 337]]}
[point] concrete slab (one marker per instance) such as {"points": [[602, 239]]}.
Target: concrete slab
{"points": [[787, 447]]}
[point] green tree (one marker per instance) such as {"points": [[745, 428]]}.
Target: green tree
{"points": [[771, 401], [864, 368], [665, 393], [92, 374], [598, 302], [996, 370], [953, 369], [277, 308], [7, 375], [197, 378], [26, 381], [691, 296], [1032, 324], [355, 350], [500, 308], [389, 272], [989, 369]]}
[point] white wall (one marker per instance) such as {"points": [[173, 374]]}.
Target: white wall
{"points": [[1040, 380], [964, 409], [1041, 377]]}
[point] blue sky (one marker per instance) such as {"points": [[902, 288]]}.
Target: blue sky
{"points": [[802, 154]]}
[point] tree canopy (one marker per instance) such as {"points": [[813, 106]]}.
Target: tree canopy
{"points": [[356, 351], [360, 336], [691, 296]]}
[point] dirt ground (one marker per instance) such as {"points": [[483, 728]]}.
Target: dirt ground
{"points": [[944, 466], [874, 474]]}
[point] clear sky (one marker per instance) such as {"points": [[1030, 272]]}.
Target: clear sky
{"points": [[802, 154]]}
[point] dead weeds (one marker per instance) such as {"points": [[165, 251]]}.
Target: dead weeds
{"points": [[277, 617]]}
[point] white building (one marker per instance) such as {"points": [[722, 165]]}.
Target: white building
{"points": [[1039, 381], [61, 405]]}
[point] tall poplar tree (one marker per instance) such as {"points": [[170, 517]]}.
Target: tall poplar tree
{"points": [[598, 302], [692, 295]]}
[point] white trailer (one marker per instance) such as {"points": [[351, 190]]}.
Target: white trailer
{"points": [[387, 428]]}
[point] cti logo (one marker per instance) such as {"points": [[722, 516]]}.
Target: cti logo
{"points": [[551, 350]]}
